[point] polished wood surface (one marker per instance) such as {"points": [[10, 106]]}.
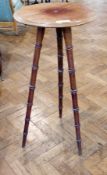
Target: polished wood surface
{"points": [[51, 149], [54, 15]]}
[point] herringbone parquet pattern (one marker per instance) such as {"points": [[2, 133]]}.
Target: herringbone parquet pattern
{"points": [[51, 147]]}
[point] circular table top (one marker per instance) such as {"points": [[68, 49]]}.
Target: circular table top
{"points": [[54, 14]]}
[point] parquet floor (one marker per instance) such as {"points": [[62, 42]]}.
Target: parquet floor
{"points": [[51, 147]]}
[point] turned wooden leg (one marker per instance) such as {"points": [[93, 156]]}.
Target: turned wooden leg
{"points": [[68, 42], [40, 35], [60, 69]]}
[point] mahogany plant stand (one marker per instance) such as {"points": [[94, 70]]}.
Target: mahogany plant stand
{"points": [[69, 50], [61, 16]]}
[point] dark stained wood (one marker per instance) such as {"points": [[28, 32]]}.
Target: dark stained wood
{"points": [[60, 68], [38, 45], [69, 49]]}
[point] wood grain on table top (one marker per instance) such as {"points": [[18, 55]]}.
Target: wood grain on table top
{"points": [[54, 14]]}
